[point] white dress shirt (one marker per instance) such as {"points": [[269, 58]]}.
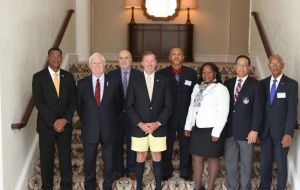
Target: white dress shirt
{"points": [[213, 111], [150, 83], [237, 81], [52, 74], [277, 81], [101, 80]]}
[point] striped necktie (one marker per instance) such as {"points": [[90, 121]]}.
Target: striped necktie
{"points": [[237, 90]]}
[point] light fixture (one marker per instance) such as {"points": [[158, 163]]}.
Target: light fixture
{"points": [[133, 4], [188, 4]]}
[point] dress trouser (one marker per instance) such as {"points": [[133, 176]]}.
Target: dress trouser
{"points": [[90, 157], [270, 149], [47, 149], [185, 165], [236, 151], [124, 130]]}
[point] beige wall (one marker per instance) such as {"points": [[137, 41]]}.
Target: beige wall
{"points": [[281, 23], [221, 27], [28, 29]]}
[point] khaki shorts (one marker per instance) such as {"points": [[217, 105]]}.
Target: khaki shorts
{"points": [[142, 144]]}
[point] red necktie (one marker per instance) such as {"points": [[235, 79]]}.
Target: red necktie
{"points": [[97, 93]]}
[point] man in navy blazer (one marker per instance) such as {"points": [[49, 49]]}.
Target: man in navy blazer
{"points": [[244, 122], [98, 106], [280, 120], [182, 80], [55, 103], [124, 74], [149, 107]]}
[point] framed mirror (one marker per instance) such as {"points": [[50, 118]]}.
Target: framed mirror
{"points": [[161, 10]]}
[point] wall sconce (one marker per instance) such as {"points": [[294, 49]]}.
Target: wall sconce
{"points": [[133, 4], [188, 4]]}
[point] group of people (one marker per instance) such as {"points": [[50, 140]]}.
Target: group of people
{"points": [[150, 109]]}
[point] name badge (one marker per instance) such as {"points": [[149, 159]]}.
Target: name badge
{"points": [[188, 82], [281, 95]]}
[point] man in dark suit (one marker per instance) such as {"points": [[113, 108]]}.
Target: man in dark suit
{"points": [[182, 80], [125, 74], [98, 104], [244, 122], [54, 95], [149, 107], [279, 123]]}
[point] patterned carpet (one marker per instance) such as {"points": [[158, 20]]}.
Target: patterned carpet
{"points": [[175, 183]]}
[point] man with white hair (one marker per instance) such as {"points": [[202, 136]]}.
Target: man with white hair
{"points": [[98, 103]]}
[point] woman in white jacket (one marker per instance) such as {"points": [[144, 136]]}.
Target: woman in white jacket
{"points": [[205, 121]]}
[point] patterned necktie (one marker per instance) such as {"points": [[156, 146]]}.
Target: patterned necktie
{"points": [[56, 83], [177, 77], [149, 87], [273, 91], [125, 83], [237, 90], [97, 93]]}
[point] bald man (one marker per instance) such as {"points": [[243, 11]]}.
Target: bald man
{"points": [[124, 74], [280, 119]]}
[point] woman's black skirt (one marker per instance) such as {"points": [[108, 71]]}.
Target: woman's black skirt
{"points": [[201, 144]]}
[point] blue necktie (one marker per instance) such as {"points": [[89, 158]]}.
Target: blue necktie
{"points": [[273, 91], [177, 77], [125, 83]]}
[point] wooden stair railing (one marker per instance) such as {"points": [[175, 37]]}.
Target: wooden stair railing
{"points": [[57, 42], [265, 42]]}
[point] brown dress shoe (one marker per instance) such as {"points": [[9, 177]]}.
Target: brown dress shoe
{"points": [[131, 175]]}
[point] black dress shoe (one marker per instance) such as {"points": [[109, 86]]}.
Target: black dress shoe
{"points": [[167, 177], [117, 175], [187, 178]]}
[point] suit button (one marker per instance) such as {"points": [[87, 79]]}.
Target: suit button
{"points": [[150, 108], [98, 120], [233, 111]]}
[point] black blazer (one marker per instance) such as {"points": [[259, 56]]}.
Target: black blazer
{"points": [[51, 107], [98, 123], [181, 94], [141, 109], [247, 113], [118, 76], [281, 116]]}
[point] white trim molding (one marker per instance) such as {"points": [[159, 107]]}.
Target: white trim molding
{"points": [[27, 170]]}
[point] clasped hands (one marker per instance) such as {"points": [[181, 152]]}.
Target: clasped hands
{"points": [[59, 125], [149, 127]]}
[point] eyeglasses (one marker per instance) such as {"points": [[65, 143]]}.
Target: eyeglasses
{"points": [[274, 64]]}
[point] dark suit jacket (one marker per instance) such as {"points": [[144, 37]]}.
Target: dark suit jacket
{"points": [[281, 116], [51, 107], [181, 94], [98, 123], [247, 113], [141, 109], [118, 76]]}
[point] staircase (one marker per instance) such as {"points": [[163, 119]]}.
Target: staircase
{"points": [[175, 183]]}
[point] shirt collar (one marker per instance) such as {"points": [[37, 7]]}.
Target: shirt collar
{"points": [[277, 79], [52, 72], [243, 79], [174, 71], [151, 76], [127, 70], [100, 78]]}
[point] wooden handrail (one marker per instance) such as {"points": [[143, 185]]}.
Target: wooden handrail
{"points": [[57, 42], [262, 33], [265, 42]]}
